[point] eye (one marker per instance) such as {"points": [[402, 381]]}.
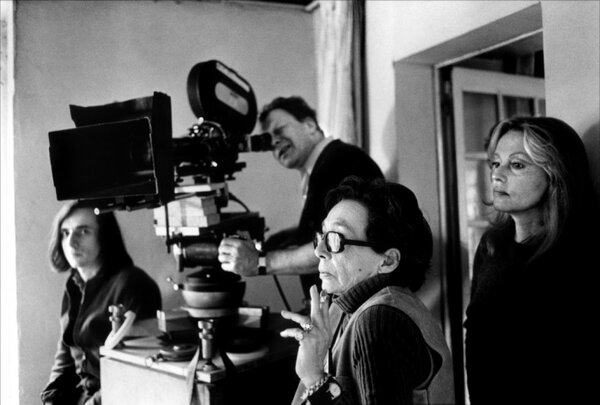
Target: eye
{"points": [[517, 165], [64, 233], [493, 164], [82, 232]]}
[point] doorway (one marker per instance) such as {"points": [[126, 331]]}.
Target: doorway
{"points": [[475, 94], [428, 160]]}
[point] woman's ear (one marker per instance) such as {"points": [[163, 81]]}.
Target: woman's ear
{"points": [[391, 260]]}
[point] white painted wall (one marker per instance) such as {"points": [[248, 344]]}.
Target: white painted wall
{"points": [[95, 52], [571, 56]]}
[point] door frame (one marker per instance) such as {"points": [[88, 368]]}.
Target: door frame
{"points": [[419, 76]]}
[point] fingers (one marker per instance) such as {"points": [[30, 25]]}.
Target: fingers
{"points": [[299, 319], [319, 313], [325, 311], [295, 333], [315, 303]]}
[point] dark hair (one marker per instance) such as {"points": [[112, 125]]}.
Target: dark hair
{"points": [[557, 148], [294, 105], [113, 254], [394, 221]]}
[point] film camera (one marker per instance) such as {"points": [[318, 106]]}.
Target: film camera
{"points": [[122, 156]]}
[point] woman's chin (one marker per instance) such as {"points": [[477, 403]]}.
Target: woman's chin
{"points": [[328, 287]]}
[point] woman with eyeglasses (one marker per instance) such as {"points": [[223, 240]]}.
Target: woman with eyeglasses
{"points": [[376, 343]]}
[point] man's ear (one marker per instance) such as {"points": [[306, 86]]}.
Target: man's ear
{"points": [[311, 124], [390, 260]]}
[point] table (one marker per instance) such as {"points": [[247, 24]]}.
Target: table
{"points": [[264, 376]]}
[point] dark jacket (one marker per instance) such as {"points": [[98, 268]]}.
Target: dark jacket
{"points": [[85, 325], [528, 324]]}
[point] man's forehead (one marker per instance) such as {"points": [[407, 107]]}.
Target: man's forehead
{"points": [[279, 117]]}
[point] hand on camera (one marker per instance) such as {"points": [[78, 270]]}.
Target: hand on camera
{"points": [[238, 254]]}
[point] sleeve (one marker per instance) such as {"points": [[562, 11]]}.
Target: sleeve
{"points": [[282, 239], [140, 293], [63, 381], [95, 399], [63, 378], [390, 356]]}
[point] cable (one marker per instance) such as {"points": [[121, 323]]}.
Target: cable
{"points": [[237, 200], [287, 305]]}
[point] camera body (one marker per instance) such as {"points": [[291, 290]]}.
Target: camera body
{"points": [[122, 156]]}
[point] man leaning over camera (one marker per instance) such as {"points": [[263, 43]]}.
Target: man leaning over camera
{"points": [[299, 143]]}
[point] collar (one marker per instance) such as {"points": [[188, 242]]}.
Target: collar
{"points": [[314, 155], [81, 283], [76, 277], [352, 299]]}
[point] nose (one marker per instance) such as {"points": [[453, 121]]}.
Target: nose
{"points": [[321, 250], [498, 174], [72, 240]]}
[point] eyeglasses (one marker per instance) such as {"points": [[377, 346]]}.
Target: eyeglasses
{"points": [[335, 242]]}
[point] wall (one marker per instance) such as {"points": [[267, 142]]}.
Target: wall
{"points": [[571, 57], [95, 52]]}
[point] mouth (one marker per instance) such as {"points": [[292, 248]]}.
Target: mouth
{"points": [[500, 193], [75, 254], [324, 274]]}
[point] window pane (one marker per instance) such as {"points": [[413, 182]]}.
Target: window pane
{"points": [[542, 107], [518, 106], [478, 189], [481, 113]]}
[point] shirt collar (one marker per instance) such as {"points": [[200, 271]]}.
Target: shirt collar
{"points": [[314, 155]]}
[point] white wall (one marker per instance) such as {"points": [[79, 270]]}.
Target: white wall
{"points": [[571, 56], [95, 52]]}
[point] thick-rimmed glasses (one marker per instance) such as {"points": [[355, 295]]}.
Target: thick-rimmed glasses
{"points": [[335, 242]]}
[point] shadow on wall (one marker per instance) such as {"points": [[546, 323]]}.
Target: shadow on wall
{"points": [[591, 140]]}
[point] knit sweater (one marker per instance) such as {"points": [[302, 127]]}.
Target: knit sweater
{"points": [[387, 348], [529, 330]]}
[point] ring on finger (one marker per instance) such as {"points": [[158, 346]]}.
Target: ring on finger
{"points": [[306, 327], [299, 336]]}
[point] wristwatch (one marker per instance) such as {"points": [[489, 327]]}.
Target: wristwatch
{"points": [[262, 264], [328, 392]]}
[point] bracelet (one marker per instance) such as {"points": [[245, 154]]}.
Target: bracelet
{"points": [[262, 265], [314, 387]]}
